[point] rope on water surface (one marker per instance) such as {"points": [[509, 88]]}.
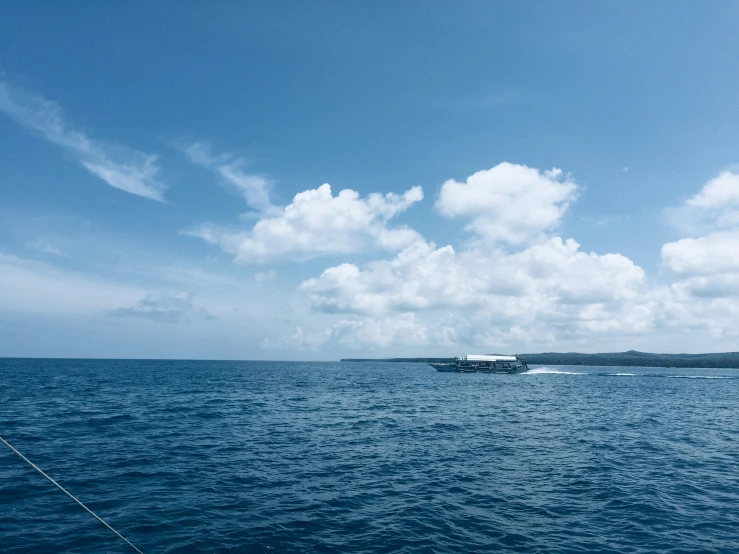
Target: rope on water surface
{"points": [[57, 485]]}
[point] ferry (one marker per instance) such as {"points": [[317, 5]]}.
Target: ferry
{"points": [[484, 363]]}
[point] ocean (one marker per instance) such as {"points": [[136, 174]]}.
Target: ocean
{"points": [[215, 457]]}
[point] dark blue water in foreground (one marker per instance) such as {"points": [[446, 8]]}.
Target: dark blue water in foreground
{"points": [[364, 457]]}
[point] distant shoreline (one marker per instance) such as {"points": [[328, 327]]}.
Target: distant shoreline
{"points": [[631, 358]]}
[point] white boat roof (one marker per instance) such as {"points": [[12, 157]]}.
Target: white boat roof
{"points": [[489, 358]]}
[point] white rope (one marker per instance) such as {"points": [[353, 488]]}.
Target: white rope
{"points": [[57, 485]]}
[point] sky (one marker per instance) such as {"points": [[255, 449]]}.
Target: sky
{"points": [[291, 180]]}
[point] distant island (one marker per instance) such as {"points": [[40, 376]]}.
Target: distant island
{"points": [[630, 358]]}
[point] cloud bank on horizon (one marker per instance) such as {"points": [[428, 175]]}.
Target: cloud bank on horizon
{"points": [[543, 291]]}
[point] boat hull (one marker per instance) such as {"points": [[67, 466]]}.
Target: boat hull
{"points": [[518, 369], [444, 367], [474, 368]]}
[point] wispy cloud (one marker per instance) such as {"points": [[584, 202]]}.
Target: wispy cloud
{"points": [[254, 188], [48, 247], [29, 286], [121, 167], [166, 308]]}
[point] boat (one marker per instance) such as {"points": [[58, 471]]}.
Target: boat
{"points": [[444, 367], [483, 363]]}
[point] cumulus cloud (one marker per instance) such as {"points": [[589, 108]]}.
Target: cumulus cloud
{"points": [[714, 207], [254, 188], [714, 253], [318, 223], [423, 277], [123, 168], [298, 341], [706, 264], [712, 217], [165, 308], [700, 307], [550, 287], [401, 329], [704, 297], [524, 286], [720, 193], [509, 203]]}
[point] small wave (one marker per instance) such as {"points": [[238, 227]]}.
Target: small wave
{"points": [[699, 377], [623, 374], [547, 370]]}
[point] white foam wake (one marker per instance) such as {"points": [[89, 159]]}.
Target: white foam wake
{"points": [[698, 377], [546, 370]]}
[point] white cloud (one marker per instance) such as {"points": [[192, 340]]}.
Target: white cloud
{"points": [[395, 330], [713, 214], [254, 188], [380, 333], [550, 291], [123, 168], [715, 206], [545, 292], [164, 308], [714, 253], [510, 203], [723, 286], [707, 266], [317, 223], [517, 286], [705, 294], [721, 192], [423, 277], [698, 307], [298, 341]]}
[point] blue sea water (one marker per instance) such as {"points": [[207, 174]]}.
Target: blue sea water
{"points": [[219, 457]]}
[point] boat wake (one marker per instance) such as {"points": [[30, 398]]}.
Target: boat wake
{"points": [[544, 370], [701, 377], [547, 370]]}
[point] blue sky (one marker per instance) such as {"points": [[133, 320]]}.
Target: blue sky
{"points": [[516, 177]]}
